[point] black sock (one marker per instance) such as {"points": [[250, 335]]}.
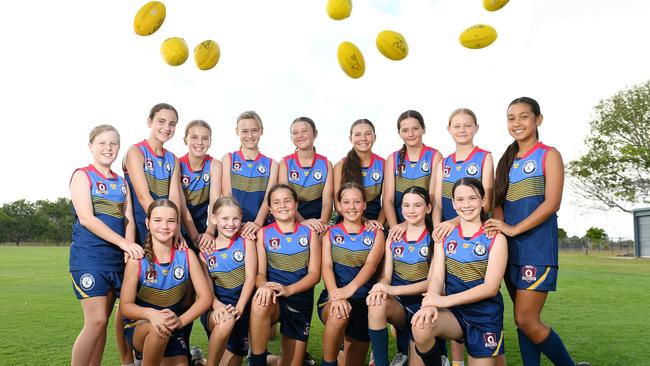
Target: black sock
{"points": [[431, 357]]}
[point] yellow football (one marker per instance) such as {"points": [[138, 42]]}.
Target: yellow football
{"points": [[478, 36], [339, 9], [392, 45], [351, 60], [149, 18], [206, 54], [174, 51], [494, 5]]}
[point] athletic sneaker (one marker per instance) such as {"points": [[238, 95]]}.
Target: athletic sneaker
{"points": [[309, 361], [400, 359], [444, 360], [196, 353], [371, 362]]}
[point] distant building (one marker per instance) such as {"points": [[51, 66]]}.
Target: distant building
{"points": [[642, 232]]}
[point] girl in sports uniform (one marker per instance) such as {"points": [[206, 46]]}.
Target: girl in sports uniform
{"points": [[231, 265], [466, 161], [397, 295], [463, 301], [528, 192], [248, 174], [200, 182], [103, 233], [289, 260], [351, 255], [154, 290], [366, 169], [308, 173]]}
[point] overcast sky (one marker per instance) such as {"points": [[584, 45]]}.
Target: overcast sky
{"points": [[70, 65]]}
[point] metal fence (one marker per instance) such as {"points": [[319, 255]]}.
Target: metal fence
{"points": [[613, 246]]}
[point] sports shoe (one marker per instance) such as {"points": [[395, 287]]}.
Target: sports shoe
{"points": [[444, 361], [309, 361], [371, 362], [195, 351], [400, 359]]}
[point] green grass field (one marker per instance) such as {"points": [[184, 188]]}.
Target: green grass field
{"points": [[602, 310]]}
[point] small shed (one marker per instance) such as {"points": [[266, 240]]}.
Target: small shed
{"points": [[642, 232]]}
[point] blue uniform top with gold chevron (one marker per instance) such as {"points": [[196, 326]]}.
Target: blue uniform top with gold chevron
{"points": [[308, 182], [453, 170], [349, 253], [196, 189], [165, 285], [158, 171], [88, 251], [248, 181], [525, 193], [227, 269], [413, 173], [410, 265]]}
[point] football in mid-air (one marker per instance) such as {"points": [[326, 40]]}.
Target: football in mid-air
{"points": [[206, 54], [174, 51], [494, 5], [392, 45], [149, 18], [339, 9], [478, 36], [351, 60]]}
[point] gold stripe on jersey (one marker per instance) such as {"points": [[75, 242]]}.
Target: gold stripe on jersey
{"points": [[412, 272], [160, 187], [347, 257], [310, 193], [288, 262], [248, 184], [447, 188], [529, 187], [197, 197], [106, 207], [229, 280], [467, 272], [403, 183], [163, 298], [372, 192]]}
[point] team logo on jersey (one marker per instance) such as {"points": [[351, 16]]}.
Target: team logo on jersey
{"points": [[87, 281], [236, 166], [424, 166], [238, 255], [306, 332], [212, 262], [490, 340], [168, 167], [446, 171], [398, 251], [451, 247], [338, 239], [529, 273], [303, 241], [123, 189], [318, 175], [185, 180], [293, 175], [472, 169], [529, 167], [424, 251], [261, 169], [179, 272], [113, 186], [148, 164], [151, 276], [466, 245], [206, 177], [181, 341], [101, 187], [480, 249], [224, 255], [274, 243], [367, 241], [375, 175]]}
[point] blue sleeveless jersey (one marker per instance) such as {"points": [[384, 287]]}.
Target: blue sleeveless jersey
{"points": [[452, 171], [249, 180], [373, 179], [88, 251], [227, 269], [158, 171], [167, 285], [196, 189], [309, 183], [410, 264], [349, 253], [525, 193], [414, 173], [287, 255], [466, 261]]}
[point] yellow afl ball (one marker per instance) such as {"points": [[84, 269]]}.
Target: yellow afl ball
{"points": [[478, 36], [392, 45], [149, 18], [174, 51], [339, 9], [494, 5], [206, 54], [351, 60]]}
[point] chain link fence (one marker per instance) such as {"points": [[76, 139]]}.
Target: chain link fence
{"points": [[623, 247]]}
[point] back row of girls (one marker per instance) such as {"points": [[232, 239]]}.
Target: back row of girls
{"points": [[528, 194]]}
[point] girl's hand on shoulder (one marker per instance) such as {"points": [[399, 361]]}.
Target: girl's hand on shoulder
{"points": [[396, 232], [206, 246], [133, 250], [264, 296], [433, 299], [342, 293], [495, 226], [316, 225], [441, 231], [220, 313], [340, 309], [249, 230], [179, 242], [425, 317], [373, 225], [204, 240]]}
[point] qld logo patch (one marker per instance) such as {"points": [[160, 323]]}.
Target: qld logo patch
{"points": [[236, 166], [212, 262], [179, 272], [490, 340], [446, 171], [87, 281], [472, 169], [148, 164], [151, 276], [274, 243], [451, 247], [530, 166], [101, 187], [185, 180], [529, 273], [338, 239], [398, 251], [293, 175]]}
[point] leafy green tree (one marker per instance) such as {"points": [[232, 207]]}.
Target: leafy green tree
{"points": [[57, 218], [595, 233], [615, 171], [23, 223], [561, 234]]}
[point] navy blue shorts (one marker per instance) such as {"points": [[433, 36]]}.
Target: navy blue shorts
{"points": [[358, 325], [484, 342], [532, 277], [176, 346], [87, 284], [295, 315], [238, 340]]}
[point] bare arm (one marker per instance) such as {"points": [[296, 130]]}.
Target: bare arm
{"points": [[437, 189], [251, 276], [338, 178], [328, 196], [226, 185], [216, 171], [327, 264], [261, 260], [264, 209], [488, 182], [388, 193], [134, 162], [204, 294]]}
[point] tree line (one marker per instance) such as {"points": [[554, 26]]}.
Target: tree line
{"points": [[42, 221]]}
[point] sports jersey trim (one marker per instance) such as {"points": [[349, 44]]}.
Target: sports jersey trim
{"points": [[540, 280], [476, 234], [342, 227], [424, 233], [171, 258], [186, 159], [241, 156], [83, 294], [145, 143], [531, 150], [277, 228], [92, 168]]}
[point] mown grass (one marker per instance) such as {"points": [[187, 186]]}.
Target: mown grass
{"points": [[601, 310]]}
